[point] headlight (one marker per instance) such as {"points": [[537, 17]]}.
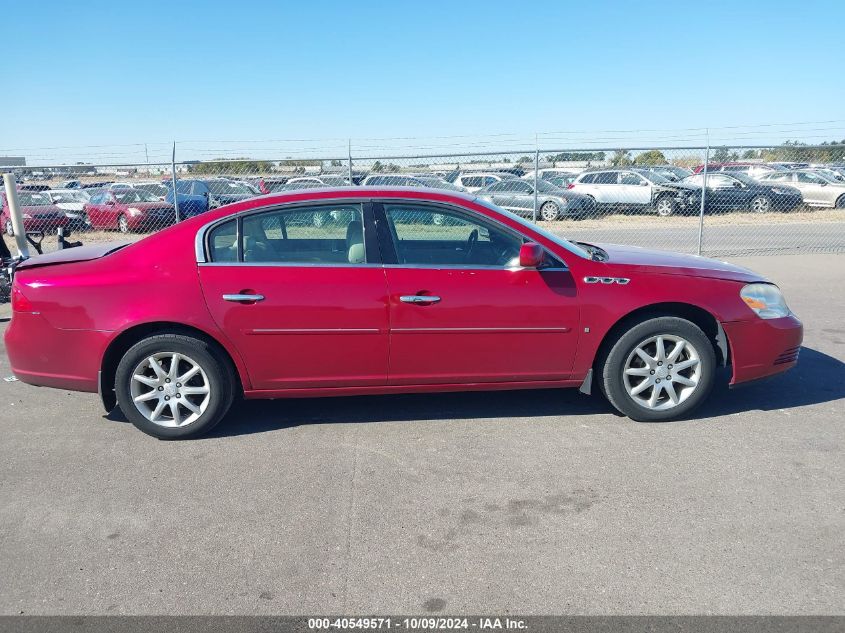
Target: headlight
{"points": [[26, 216], [766, 300], [134, 212]]}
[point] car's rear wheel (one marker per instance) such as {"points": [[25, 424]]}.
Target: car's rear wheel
{"points": [[660, 369], [173, 386], [664, 206], [840, 202], [10, 230], [122, 224], [550, 211], [761, 204]]}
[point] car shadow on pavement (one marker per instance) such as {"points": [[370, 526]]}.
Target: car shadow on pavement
{"points": [[817, 378]]}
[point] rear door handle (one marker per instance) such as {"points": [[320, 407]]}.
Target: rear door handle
{"points": [[243, 298], [423, 299]]}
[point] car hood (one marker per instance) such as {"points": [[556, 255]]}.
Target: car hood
{"points": [[686, 186], [669, 263]]}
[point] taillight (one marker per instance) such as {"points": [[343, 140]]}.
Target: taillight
{"points": [[571, 185], [19, 302]]}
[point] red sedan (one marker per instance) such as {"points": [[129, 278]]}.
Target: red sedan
{"points": [[38, 211], [128, 210], [262, 303]]}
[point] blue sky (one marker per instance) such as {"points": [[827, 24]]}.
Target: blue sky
{"points": [[223, 75]]}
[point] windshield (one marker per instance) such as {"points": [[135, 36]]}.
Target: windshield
{"points": [[69, 196], [654, 177], [30, 199], [557, 239], [228, 187], [130, 196], [547, 187], [154, 188]]}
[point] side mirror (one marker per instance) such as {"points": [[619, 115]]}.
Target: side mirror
{"points": [[531, 255]]}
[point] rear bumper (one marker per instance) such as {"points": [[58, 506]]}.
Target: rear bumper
{"points": [[49, 357], [763, 347], [45, 224]]}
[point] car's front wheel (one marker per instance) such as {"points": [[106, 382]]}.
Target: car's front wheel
{"points": [[550, 211], [658, 370], [664, 206], [10, 230], [122, 224], [761, 204], [173, 386]]}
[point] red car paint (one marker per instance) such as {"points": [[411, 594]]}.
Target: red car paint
{"points": [[325, 330], [41, 217], [106, 213]]}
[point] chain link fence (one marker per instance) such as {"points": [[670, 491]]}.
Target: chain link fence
{"points": [[716, 201]]}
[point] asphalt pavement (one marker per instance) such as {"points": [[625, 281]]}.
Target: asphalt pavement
{"points": [[529, 502]]}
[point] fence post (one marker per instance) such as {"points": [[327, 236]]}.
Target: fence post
{"points": [[703, 194], [536, 178], [349, 149], [173, 174], [15, 215]]}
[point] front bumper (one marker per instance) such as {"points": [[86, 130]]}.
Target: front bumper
{"points": [[763, 347]]}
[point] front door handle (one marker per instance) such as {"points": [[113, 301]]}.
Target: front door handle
{"points": [[238, 298], [420, 299]]}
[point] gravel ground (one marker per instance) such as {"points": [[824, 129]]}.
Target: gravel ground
{"points": [[520, 502]]}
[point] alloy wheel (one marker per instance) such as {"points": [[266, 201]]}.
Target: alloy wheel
{"points": [[122, 224], [170, 389], [662, 372], [549, 211], [664, 207], [760, 204]]}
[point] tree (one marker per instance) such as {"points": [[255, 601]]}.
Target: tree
{"points": [[239, 165], [377, 166], [336, 163], [621, 158], [651, 157], [565, 157], [524, 159]]}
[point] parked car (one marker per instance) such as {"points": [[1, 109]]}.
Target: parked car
{"points": [[561, 181], [196, 196], [517, 195], [72, 202], [816, 189], [386, 303], [269, 185], [736, 191], [754, 170], [474, 181], [544, 173], [632, 188], [307, 182], [37, 210], [409, 180], [158, 189], [831, 173], [128, 210], [71, 184], [33, 187]]}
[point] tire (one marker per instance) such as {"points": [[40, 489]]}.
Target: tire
{"points": [[10, 231], [215, 374], [698, 353], [438, 219], [550, 211], [122, 224], [840, 202], [761, 204], [319, 220], [664, 207]]}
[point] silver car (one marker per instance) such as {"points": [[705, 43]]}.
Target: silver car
{"points": [[817, 189], [517, 195]]}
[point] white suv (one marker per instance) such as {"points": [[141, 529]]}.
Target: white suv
{"points": [[473, 181]]}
